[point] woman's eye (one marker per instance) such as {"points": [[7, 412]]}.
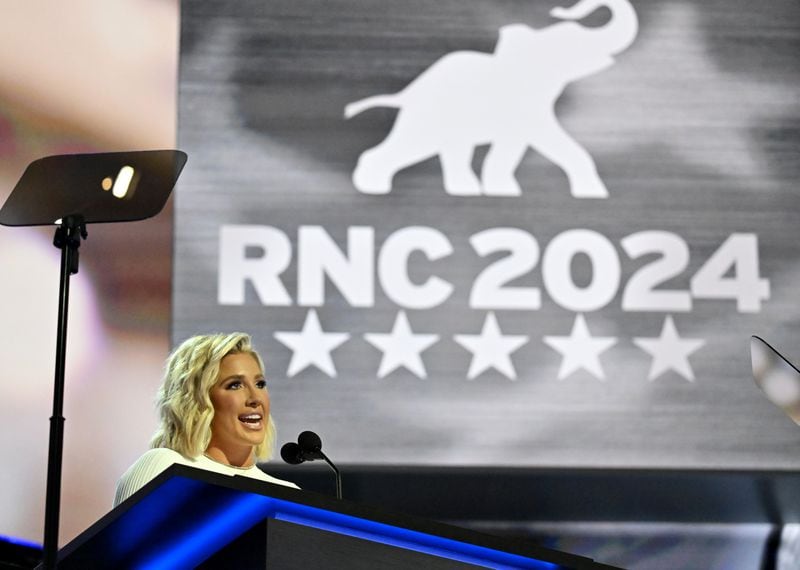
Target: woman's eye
{"points": [[261, 384], [234, 385]]}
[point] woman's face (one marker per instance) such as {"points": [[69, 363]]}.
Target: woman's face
{"points": [[241, 409]]}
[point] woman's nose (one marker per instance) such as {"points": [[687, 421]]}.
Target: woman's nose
{"points": [[254, 397]]}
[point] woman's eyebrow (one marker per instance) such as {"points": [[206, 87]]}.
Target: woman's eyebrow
{"points": [[233, 377], [242, 377]]}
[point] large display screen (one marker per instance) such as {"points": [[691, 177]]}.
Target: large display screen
{"points": [[498, 233]]}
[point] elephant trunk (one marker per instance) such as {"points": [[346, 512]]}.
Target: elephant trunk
{"points": [[616, 35]]}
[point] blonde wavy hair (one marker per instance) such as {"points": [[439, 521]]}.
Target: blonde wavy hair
{"points": [[183, 401]]}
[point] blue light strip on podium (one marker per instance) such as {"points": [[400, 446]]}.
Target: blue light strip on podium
{"points": [[185, 516], [20, 542], [406, 539], [210, 534]]}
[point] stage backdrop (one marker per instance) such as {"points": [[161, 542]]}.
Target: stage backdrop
{"points": [[485, 233]]}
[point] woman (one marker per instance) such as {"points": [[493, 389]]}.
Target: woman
{"points": [[213, 407]]}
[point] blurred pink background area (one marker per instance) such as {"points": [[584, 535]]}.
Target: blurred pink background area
{"points": [[82, 76]]}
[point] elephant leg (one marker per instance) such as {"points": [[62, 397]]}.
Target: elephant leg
{"points": [[372, 174], [499, 166], [459, 178], [555, 144], [377, 166]]}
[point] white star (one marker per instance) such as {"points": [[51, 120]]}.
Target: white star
{"points": [[669, 351], [401, 347], [311, 346], [491, 349], [580, 349]]}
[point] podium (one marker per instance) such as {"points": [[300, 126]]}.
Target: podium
{"points": [[191, 518]]}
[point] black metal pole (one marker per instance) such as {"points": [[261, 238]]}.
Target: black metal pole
{"points": [[68, 237]]}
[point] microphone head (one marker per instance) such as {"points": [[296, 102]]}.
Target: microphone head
{"points": [[291, 453], [309, 442]]}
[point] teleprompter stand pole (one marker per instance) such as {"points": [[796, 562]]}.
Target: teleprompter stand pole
{"points": [[68, 239]]}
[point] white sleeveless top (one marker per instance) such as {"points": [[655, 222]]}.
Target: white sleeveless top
{"points": [[149, 465]]}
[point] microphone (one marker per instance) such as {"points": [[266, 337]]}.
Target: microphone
{"points": [[291, 453], [310, 445], [309, 448]]}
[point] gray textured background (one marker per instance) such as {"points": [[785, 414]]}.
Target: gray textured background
{"points": [[695, 130]]}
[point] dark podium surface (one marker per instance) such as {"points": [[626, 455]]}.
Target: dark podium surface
{"points": [[465, 495], [188, 518]]}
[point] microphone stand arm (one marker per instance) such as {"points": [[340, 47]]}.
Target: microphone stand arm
{"points": [[336, 472]]}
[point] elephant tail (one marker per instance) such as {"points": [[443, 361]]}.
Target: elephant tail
{"points": [[356, 107]]}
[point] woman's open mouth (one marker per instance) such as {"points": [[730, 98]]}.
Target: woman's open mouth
{"points": [[252, 421]]}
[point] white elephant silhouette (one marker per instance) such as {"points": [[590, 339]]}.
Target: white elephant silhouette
{"points": [[504, 99]]}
